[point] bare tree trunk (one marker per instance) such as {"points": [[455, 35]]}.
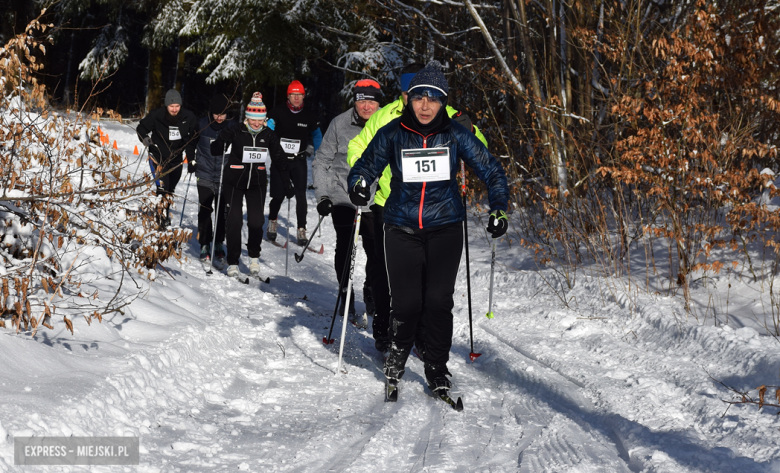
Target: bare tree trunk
{"points": [[68, 71], [154, 85], [557, 166], [180, 69], [566, 93]]}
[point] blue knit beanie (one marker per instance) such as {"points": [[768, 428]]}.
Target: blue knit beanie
{"points": [[430, 76]]}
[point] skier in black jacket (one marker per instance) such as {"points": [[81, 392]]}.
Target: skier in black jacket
{"points": [[173, 130], [252, 145], [208, 169], [296, 128]]}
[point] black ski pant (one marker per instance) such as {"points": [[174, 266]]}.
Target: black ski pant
{"points": [[422, 266], [234, 219], [379, 286], [170, 170], [299, 176], [343, 219], [207, 194]]}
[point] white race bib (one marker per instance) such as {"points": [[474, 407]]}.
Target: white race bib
{"points": [[254, 155], [426, 164], [290, 146], [174, 133]]}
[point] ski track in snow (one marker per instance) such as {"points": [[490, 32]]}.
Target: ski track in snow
{"points": [[215, 375]]}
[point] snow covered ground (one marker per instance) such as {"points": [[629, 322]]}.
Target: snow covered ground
{"points": [[214, 375]]}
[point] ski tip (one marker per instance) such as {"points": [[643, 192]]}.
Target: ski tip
{"points": [[474, 356], [322, 250], [391, 392], [458, 405], [266, 280], [489, 315], [285, 245]]}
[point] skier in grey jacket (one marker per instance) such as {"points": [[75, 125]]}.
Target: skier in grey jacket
{"points": [[329, 172]]}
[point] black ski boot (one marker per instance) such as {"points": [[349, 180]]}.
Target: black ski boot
{"points": [[436, 376], [394, 371]]}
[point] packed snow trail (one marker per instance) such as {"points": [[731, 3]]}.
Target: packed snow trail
{"points": [[215, 375]]}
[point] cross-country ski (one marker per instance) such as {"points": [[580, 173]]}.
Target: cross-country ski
{"points": [[445, 396]]}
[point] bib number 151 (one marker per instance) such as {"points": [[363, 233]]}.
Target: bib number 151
{"points": [[426, 164]]}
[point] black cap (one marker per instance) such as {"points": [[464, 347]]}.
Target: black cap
{"points": [[219, 105]]}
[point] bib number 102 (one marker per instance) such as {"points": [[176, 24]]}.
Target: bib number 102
{"points": [[425, 165]]}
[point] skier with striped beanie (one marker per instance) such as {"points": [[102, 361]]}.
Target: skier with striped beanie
{"points": [[252, 146]]}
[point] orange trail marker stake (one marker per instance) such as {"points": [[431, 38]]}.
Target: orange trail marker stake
{"points": [[115, 147], [135, 150]]}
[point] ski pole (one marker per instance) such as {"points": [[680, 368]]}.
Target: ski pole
{"points": [[216, 211], [184, 204], [472, 355], [140, 160], [303, 253], [153, 167], [349, 285], [287, 243], [492, 270], [327, 340]]}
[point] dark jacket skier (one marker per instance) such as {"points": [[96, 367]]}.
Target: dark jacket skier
{"points": [[423, 219], [252, 145], [297, 128], [207, 167], [172, 130]]}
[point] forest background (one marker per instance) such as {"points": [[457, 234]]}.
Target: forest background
{"points": [[640, 137]]}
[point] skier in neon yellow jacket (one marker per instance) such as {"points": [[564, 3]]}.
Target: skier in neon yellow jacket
{"points": [[379, 286]]}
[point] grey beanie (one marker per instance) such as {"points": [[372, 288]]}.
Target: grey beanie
{"points": [[172, 97], [430, 76]]}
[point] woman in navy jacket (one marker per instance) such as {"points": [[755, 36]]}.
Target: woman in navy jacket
{"points": [[423, 218]]}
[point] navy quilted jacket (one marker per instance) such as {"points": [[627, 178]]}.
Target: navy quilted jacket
{"points": [[429, 204]]}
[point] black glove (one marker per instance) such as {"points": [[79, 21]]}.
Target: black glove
{"points": [[289, 190], [465, 120], [324, 207], [147, 141], [191, 165], [498, 223], [360, 192]]}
